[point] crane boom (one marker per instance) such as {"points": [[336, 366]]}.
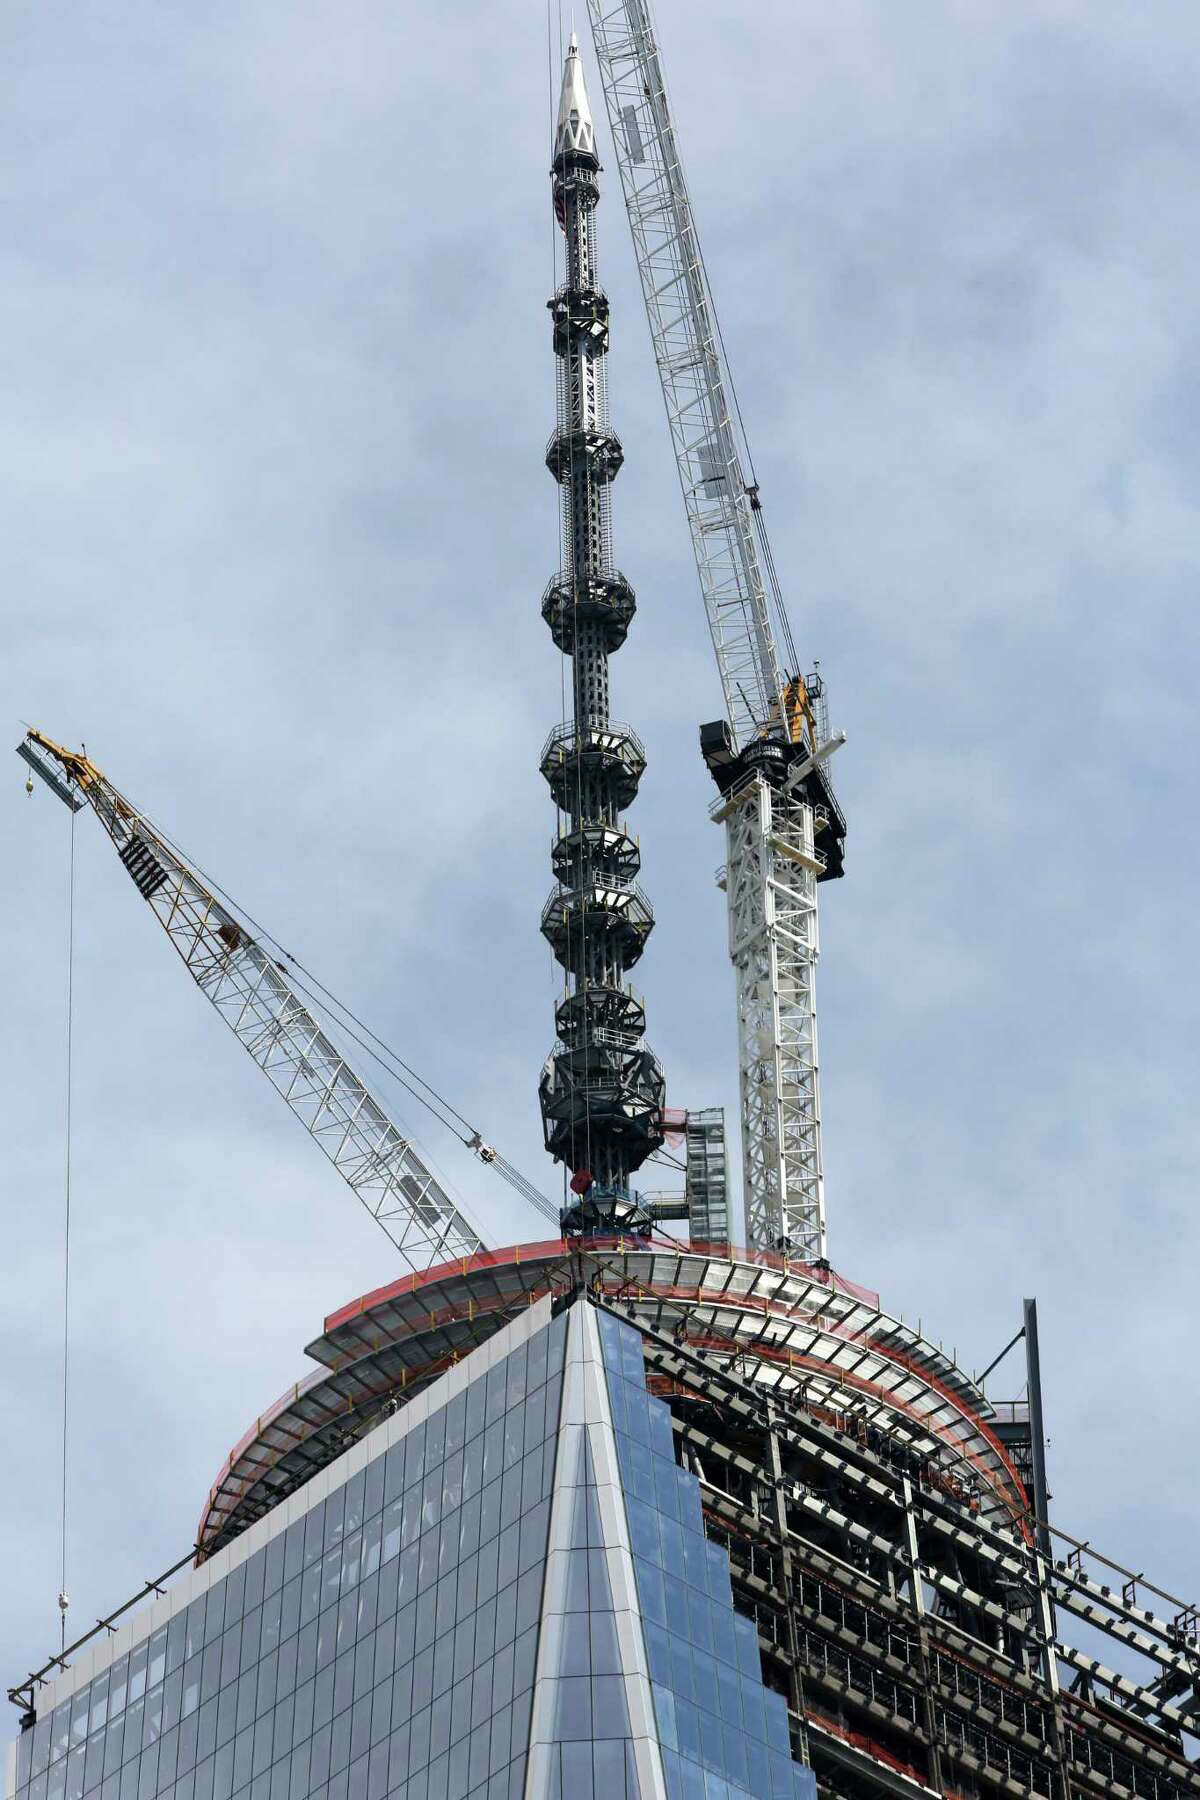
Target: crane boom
{"points": [[783, 827], [716, 495], [251, 992]]}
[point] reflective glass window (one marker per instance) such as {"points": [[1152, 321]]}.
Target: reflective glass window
{"points": [[717, 1723], [371, 1649]]}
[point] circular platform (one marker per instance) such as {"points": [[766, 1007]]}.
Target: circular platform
{"points": [[807, 1330]]}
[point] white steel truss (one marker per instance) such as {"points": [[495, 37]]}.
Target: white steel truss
{"points": [[687, 351], [250, 990], [771, 866], [771, 886]]}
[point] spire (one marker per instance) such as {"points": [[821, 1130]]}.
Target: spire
{"points": [[575, 130], [601, 1089]]}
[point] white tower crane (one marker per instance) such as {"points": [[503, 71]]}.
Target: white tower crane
{"points": [[256, 996], [783, 827]]}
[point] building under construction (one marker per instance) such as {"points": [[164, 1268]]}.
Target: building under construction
{"points": [[628, 1511]]}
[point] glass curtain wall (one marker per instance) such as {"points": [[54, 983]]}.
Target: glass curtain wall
{"points": [[381, 1647], [511, 1599], [722, 1732]]}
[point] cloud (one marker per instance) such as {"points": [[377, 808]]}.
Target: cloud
{"points": [[275, 530]]}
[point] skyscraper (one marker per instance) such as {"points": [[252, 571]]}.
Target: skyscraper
{"points": [[504, 1589], [614, 1515], [769, 1455]]}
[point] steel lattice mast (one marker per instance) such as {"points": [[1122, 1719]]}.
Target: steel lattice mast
{"points": [[249, 989], [601, 1090], [784, 829]]}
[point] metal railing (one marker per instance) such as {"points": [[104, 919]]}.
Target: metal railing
{"points": [[609, 734], [604, 435], [627, 899]]}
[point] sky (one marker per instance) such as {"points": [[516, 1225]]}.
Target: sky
{"points": [[274, 528]]}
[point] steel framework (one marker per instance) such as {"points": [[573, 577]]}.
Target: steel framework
{"points": [[601, 1090], [251, 992], [917, 1639], [771, 883], [687, 351], [933, 1636], [707, 1187], [771, 880]]}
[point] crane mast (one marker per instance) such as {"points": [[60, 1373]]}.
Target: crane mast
{"points": [[251, 992], [783, 827]]}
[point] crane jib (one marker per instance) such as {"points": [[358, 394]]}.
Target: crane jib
{"points": [[380, 1163], [44, 772], [698, 397], [783, 828]]}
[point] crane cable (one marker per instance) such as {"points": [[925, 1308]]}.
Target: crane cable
{"points": [[752, 490], [751, 487], [384, 1056], [380, 1052], [63, 1600]]}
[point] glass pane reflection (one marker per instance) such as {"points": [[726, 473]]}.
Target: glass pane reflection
{"points": [[381, 1648]]}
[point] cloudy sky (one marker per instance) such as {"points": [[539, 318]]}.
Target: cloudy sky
{"points": [[277, 378]]}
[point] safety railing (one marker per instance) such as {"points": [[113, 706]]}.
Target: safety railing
{"points": [[595, 735]]}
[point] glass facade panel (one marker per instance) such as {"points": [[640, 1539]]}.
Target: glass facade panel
{"points": [[381, 1647], [388, 1642], [721, 1731]]}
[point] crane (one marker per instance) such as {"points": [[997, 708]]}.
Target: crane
{"points": [[783, 827], [253, 993]]}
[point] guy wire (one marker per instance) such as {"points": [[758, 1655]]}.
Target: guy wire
{"points": [[66, 1303]]}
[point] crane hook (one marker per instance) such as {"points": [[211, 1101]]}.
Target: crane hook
{"points": [[29, 785]]}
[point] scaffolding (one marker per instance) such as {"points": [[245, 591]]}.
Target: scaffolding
{"points": [[706, 1186]]}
